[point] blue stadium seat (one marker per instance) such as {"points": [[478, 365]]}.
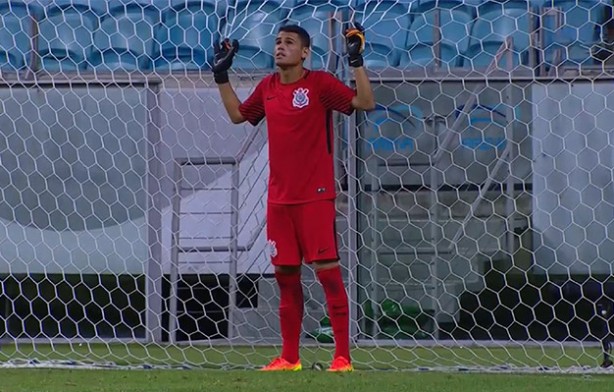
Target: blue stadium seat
{"points": [[314, 16], [495, 22], [126, 37], [388, 22], [15, 33], [255, 23], [66, 34], [580, 28], [189, 29], [465, 6], [455, 20]]}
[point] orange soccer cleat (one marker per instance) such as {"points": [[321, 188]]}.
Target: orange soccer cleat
{"points": [[281, 365], [341, 365]]}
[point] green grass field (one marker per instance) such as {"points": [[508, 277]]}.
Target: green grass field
{"points": [[309, 381], [374, 370]]}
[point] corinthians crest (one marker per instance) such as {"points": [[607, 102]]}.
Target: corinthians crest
{"points": [[301, 99], [271, 249]]}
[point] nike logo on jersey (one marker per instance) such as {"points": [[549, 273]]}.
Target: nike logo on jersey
{"points": [[322, 250], [269, 98]]}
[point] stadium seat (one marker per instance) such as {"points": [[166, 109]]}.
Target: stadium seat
{"points": [[579, 30], [315, 16], [388, 23], [15, 32], [494, 23], [455, 20], [188, 30], [66, 34], [468, 7], [126, 37], [255, 23]]}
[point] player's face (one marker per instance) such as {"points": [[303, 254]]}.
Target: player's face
{"points": [[289, 50]]}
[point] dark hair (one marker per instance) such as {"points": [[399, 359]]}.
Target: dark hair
{"points": [[302, 33]]}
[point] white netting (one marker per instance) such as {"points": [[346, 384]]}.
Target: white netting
{"points": [[475, 202]]}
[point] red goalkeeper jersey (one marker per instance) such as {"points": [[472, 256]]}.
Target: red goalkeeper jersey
{"points": [[300, 132]]}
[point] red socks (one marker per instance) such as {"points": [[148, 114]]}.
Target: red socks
{"points": [[290, 314], [338, 309], [291, 311]]}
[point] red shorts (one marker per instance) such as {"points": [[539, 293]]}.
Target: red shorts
{"points": [[298, 232]]}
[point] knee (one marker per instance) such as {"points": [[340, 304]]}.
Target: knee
{"points": [[325, 264], [287, 270]]}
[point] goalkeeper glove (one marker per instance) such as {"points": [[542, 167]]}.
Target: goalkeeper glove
{"points": [[355, 43], [222, 59]]}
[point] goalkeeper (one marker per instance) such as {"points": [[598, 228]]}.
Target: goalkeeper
{"points": [[298, 104]]}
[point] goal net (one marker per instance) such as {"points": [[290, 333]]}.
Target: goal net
{"points": [[475, 202]]}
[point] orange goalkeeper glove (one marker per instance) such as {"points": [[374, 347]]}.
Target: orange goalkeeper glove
{"points": [[355, 43], [222, 60]]}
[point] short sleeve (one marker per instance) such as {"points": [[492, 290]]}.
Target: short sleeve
{"points": [[335, 95], [253, 107]]}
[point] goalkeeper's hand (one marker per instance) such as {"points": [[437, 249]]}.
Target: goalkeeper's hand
{"points": [[224, 52], [355, 43]]}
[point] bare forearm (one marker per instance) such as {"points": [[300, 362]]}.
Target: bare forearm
{"points": [[364, 93], [231, 103]]}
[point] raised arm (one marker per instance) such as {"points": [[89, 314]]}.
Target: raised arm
{"points": [[231, 103], [222, 61], [364, 99], [252, 109], [355, 43]]}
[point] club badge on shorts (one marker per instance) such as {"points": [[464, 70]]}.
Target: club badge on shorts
{"points": [[271, 248], [301, 97]]}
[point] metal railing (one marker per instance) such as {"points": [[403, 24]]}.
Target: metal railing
{"points": [[442, 148], [234, 248]]}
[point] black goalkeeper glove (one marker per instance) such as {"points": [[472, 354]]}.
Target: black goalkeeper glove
{"points": [[355, 43], [222, 59]]}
